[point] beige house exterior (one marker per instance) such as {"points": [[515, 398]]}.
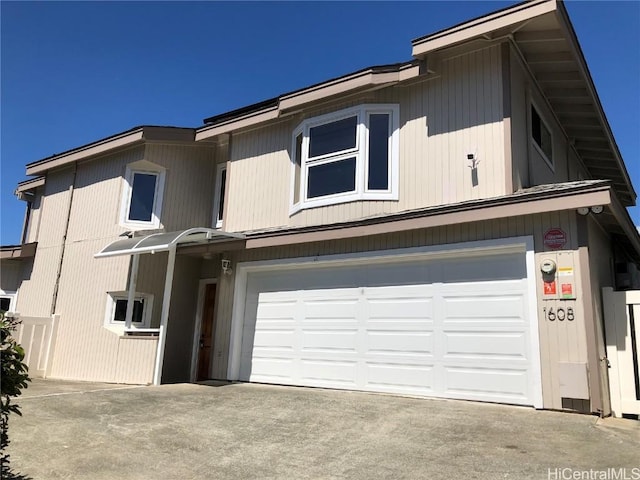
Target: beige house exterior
{"points": [[441, 227]]}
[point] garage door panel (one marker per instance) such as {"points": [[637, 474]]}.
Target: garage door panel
{"points": [[394, 342], [330, 310], [484, 383], [329, 341], [485, 345], [271, 369], [404, 378], [316, 372]]}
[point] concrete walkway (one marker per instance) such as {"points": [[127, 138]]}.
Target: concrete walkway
{"points": [[97, 431]]}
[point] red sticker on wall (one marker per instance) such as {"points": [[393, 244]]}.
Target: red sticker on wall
{"points": [[550, 288], [567, 290], [555, 238]]}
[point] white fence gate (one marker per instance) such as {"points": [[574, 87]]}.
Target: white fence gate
{"points": [[622, 327], [37, 337]]}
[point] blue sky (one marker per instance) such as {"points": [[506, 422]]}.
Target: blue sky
{"points": [[75, 72]]}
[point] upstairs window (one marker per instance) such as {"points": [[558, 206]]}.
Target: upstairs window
{"points": [[218, 204], [142, 196], [541, 136], [345, 156]]}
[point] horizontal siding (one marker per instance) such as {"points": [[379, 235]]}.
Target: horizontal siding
{"points": [[559, 341], [441, 120]]}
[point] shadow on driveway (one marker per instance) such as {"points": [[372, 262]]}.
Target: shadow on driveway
{"points": [[188, 431]]}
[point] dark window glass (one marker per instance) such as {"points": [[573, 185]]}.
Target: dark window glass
{"points": [[333, 137], [298, 167], [541, 134], [330, 178], [5, 304], [223, 183], [120, 314], [378, 152], [143, 194]]}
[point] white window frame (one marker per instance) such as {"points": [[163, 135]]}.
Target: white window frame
{"points": [[360, 152], [145, 168], [548, 161], [12, 296], [112, 297], [216, 221]]}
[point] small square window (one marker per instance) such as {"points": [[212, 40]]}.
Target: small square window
{"points": [[117, 309]]}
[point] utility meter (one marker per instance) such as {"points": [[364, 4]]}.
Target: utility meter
{"points": [[548, 266]]}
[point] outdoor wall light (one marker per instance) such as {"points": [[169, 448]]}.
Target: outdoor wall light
{"points": [[226, 266], [597, 209], [583, 211]]}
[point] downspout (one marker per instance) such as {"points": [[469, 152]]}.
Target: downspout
{"points": [[56, 287]]}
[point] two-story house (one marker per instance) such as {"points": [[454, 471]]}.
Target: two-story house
{"points": [[439, 227]]}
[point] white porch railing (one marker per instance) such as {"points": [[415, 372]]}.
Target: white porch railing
{"points": [[622, 327], [37, 336]]}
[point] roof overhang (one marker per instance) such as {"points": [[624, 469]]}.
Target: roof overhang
{"points": [[541, 33], [18, 252], [289, 103], [25, 189], [126, 139], [163, 242]]}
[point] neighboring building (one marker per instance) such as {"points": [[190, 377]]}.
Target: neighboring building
{"points": [[441, 227]]}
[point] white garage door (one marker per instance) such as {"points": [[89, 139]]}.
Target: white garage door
{"points": [[452, 327]]}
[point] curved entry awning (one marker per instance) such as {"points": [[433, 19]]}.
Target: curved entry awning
{"points": [[163, 242]]}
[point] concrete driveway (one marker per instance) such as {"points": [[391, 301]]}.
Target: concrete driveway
{"points": [[97, 431]]}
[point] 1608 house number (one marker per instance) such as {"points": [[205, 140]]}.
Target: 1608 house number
{"points": [[559, 314]]}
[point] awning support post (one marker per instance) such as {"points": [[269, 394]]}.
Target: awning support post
{"points": [[131, 294], [164, 317]]}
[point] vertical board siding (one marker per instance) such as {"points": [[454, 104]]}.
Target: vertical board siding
{"points": [[10, 275], [182, 313], [138, 351], [34, 218], [95, 213], [38, 281], [85, 349], [559, 341], [189, 184], [441, 120]]}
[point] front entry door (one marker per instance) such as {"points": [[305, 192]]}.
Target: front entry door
{"points": [[206, 332]]}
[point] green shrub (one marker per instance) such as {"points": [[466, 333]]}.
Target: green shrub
{"points": [[14, 378]]}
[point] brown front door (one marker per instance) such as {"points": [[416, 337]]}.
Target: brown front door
{"points": [[206, 331]]}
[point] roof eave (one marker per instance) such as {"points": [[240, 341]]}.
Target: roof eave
{"points": [[286, 104], [481, 26], [120, 140]]}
